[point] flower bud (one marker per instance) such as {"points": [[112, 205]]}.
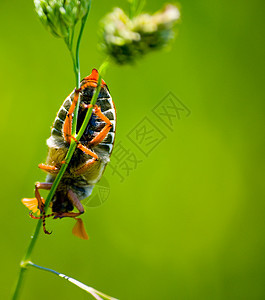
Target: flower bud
{"points": [[59, 16], [125, 39]]}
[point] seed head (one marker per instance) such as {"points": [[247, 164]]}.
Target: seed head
{"points": [[126, 40], [59, 16]]}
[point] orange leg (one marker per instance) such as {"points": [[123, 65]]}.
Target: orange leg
{"points": [[103, 133], [48, 168], [85, 149], [67, 128]]}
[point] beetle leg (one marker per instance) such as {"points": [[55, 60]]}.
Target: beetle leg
{"points": [[67, 128], [85, 149], [43, 186], [103, 133], [76, 202], [37, 218], [43, 217], [48, 168], [67, 214]]}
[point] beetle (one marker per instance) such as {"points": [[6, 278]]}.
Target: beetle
{"points": [[89, 160]]}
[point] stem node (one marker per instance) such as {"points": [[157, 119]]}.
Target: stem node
{"points": [[24, 264]]}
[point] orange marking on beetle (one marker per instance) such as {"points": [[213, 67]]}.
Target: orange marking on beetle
{"points": [[93, 80]]}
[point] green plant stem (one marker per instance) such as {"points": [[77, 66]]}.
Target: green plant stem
{"points": [[77, 68], [19, 283], [135, 7], [79, 284], [23, 264], [57, 180]]}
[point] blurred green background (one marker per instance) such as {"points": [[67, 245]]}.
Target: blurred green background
{"points": [[188, 222]]}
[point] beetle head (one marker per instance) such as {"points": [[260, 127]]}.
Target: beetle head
{"points": [[88, 86], [92, 79]]}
